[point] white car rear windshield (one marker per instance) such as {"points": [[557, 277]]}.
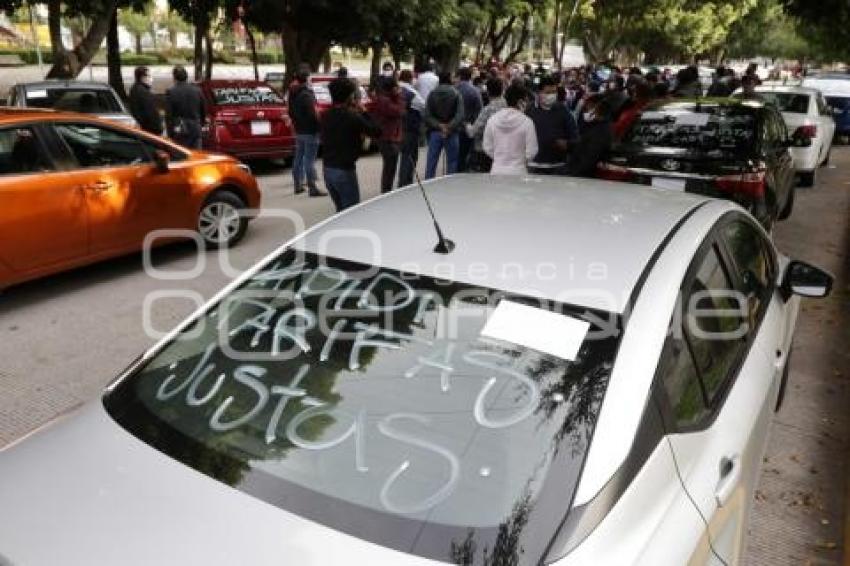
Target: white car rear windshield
{"points": [[86, 101], [424, 415]]}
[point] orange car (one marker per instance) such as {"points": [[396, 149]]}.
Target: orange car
{"points": [[75, 189]]}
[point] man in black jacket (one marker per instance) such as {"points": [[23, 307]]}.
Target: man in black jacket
{"points": [[343, 128], [142, 104], [185, 112], [302, 110]]}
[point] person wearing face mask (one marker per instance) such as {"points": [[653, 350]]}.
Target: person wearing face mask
{"points": [[557, 132], [509, 137], [388, 70], [595, 137], [142, 104]]}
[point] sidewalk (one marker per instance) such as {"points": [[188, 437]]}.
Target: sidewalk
{"points": [[802, 503]]}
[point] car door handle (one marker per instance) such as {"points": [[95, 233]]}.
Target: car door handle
{"points": [[730, 477], [99, 186]]}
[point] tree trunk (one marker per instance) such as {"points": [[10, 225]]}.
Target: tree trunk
{"points": [[327, 62], [208, 68], [113, 57], [301, 47], [68, 64], [201, 24], [54, 24], [521, 42], [172, 38], [375, 69], [556, 29], [138, 38], [253, 45]]}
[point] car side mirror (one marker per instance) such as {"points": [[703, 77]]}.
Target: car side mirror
{"points": [[806, 280], [161, 159]]}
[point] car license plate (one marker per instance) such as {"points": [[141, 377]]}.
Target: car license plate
{"points": [[261, 128], [669, 184]]}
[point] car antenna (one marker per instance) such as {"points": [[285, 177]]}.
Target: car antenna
{"points": [[444, 245]]}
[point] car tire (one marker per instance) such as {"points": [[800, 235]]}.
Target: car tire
{"points": [[783, 385], [789, 206], [221, 223], [808, 178]]}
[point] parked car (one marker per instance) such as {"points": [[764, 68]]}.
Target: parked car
{"points": [[247, 119], [807, 115], [836, 91], [75, 189], [72, 96], [535, 396], [723, 148], [319, 86]]}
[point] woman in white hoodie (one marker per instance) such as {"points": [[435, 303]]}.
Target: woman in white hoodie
{"points": [[510, 138]]}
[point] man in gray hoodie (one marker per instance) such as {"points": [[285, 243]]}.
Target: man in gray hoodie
{"points": [[443, 118]]}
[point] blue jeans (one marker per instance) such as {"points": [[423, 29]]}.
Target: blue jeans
{"points": [[343, 187], [436, 144], [408, 159], [304, 165]]}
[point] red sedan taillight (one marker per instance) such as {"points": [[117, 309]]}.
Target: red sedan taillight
{"points": [[611, 172], [746, 184], [806, 132]]}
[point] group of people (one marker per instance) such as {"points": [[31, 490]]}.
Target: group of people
{"points": [[184, 107], [499, 119]]}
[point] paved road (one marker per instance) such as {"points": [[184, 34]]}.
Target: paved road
{"points": [[63, 338]]}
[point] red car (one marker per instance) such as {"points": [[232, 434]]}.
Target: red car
{"points": [[247, 119]]}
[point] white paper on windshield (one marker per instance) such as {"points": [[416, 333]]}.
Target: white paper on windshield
{"points": [[700, 120], [36, 94], [545, 331]]}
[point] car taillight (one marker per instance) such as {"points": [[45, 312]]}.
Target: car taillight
{"points": [[611, 172], [806, 132], [748, 184]]}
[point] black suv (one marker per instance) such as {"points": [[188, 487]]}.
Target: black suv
{"points": [[737, 149]]}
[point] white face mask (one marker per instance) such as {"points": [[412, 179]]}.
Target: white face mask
{"points": [[547, 101], [388, 73], [148, 80], [589, 116]]}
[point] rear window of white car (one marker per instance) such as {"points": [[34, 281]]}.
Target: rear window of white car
{"points": [[788, 101], [425, 415], [86, 101]]}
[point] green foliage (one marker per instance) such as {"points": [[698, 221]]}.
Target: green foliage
{"points": [[29, 56]]}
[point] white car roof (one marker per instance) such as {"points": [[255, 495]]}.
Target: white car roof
{"points": [[790, 89], [583, 242]]}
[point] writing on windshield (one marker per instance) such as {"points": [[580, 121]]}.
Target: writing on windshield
{"points": [[245, 96], [715, 129]]}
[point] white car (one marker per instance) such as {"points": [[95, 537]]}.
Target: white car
{"points": [[835, 88], [538, 394], [808, 117]]}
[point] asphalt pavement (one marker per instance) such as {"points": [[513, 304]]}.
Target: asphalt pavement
{"points": [[63, 338]]}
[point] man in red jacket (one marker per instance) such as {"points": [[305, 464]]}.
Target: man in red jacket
{"points": [[388, 113]]}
